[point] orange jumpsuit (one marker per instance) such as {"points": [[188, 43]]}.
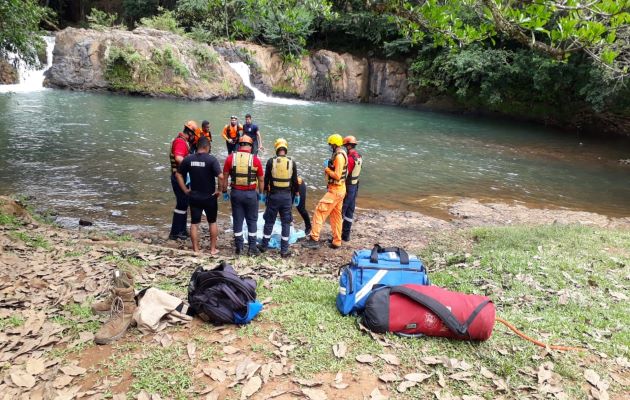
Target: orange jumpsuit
{"points": [[332, 201]]}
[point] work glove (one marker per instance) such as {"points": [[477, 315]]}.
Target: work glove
{"points": [[326, 163], [296, 200], [262, 197], [226, 196], [187, 179]]}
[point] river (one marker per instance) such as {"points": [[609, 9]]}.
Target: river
{"points": [[105, 157]]}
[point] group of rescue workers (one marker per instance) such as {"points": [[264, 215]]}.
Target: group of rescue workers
{"points": [[198, 180]]}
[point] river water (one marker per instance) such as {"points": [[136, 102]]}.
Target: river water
{"points": [[105, 157]]}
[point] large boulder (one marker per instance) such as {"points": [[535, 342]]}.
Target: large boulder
{"points": [[142, 61], [8, 73], [324, 75]]}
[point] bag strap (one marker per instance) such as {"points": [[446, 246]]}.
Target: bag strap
{"points": [[402, 254], [440, 309], [207, 282], [233, 297]]}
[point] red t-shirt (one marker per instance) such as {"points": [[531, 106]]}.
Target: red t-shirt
{"points": [[256, 163], [180, 147], [351, 161]]}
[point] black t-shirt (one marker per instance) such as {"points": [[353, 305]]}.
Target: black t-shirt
{"points": [[203, 169], [251, 130]]}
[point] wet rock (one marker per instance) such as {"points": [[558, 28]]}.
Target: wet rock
{"points": [[81, 57], [324, 75], [8, 73], [85, 222]]}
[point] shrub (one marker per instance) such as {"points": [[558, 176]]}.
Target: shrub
{"points": [[165, 21], [100, 19]]}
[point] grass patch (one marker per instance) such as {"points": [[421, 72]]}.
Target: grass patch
{"points": [[125, 262], [119, 237], [305, 310], [164, 371], [284, 89], [172, 285], [14, 321], [31, 240], [10, 221], [77, 318]]}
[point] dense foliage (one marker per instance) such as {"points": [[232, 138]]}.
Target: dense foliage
{"points": [[19, 29]]}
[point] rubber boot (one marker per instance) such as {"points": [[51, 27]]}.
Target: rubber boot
{"points": [[120, 279], [253, 249], [264, 245], [123, 307]]}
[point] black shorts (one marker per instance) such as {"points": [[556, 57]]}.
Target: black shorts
{"points": [[198, 206]]}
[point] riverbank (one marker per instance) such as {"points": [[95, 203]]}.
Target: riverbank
{"points": [[560, 283]]}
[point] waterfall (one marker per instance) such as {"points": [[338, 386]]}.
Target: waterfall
{"points": [[242, 70], [31, 79]]}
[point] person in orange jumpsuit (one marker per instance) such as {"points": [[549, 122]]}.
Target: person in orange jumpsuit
{"points": [[332, 202]]}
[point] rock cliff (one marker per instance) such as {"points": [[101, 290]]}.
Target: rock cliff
{"points": [[324, 75], [8, 73], [142, 61]]}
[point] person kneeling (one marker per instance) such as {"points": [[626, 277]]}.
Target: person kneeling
{"points": [[204, 169]]}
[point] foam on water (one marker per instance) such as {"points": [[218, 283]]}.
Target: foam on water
{"points": [[242, 70]]}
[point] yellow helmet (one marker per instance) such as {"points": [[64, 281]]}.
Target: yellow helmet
{"points": [[335, 140], [281, 144]]}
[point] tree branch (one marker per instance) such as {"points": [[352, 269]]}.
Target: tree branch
{"points": [[513, 31]]}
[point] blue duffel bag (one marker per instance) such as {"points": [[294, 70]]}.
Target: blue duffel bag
{"points": [[389, 266]]}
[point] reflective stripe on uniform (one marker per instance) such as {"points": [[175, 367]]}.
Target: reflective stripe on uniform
{"points": [[348, 219], [176, 211], [238, 234], [285, 238], [250, 234], [267, 236]]}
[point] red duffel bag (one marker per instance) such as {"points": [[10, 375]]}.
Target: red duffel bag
{"points": [[429, 310]]}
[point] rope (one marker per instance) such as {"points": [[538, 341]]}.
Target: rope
{"points": [[536, 342]]}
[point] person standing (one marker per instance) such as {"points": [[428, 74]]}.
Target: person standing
{"points": [[231, 133], [204, 131], [336, 170], [301, 205], [355, 161], [203, 169], [253, 132], [246, 179], [280, 183], [180, 148]]}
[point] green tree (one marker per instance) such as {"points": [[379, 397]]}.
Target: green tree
{"points": [[556, 28], [19, 29]]}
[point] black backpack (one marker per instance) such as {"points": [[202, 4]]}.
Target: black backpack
{"points": [[219, 296]]}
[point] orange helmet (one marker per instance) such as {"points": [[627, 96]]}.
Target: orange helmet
{"points": [[350, 140], [192, 125], [246, 139]]}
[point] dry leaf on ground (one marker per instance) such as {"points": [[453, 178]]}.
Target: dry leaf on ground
{"points": [[365, 358], [377, 395], [251, 387], [404, 385], [62, 381], [35, 366], [314, 394], [390, 359], [215, 373], [230, 350], [73, 370], [23, 379], [389, 377], [417, 377], [191, 349], [340, 349]]}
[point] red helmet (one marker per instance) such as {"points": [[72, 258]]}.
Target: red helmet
{"points": [[350, 140]]}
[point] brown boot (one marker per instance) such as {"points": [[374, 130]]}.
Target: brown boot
{"points": [[123, 307], [120, 279]]}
